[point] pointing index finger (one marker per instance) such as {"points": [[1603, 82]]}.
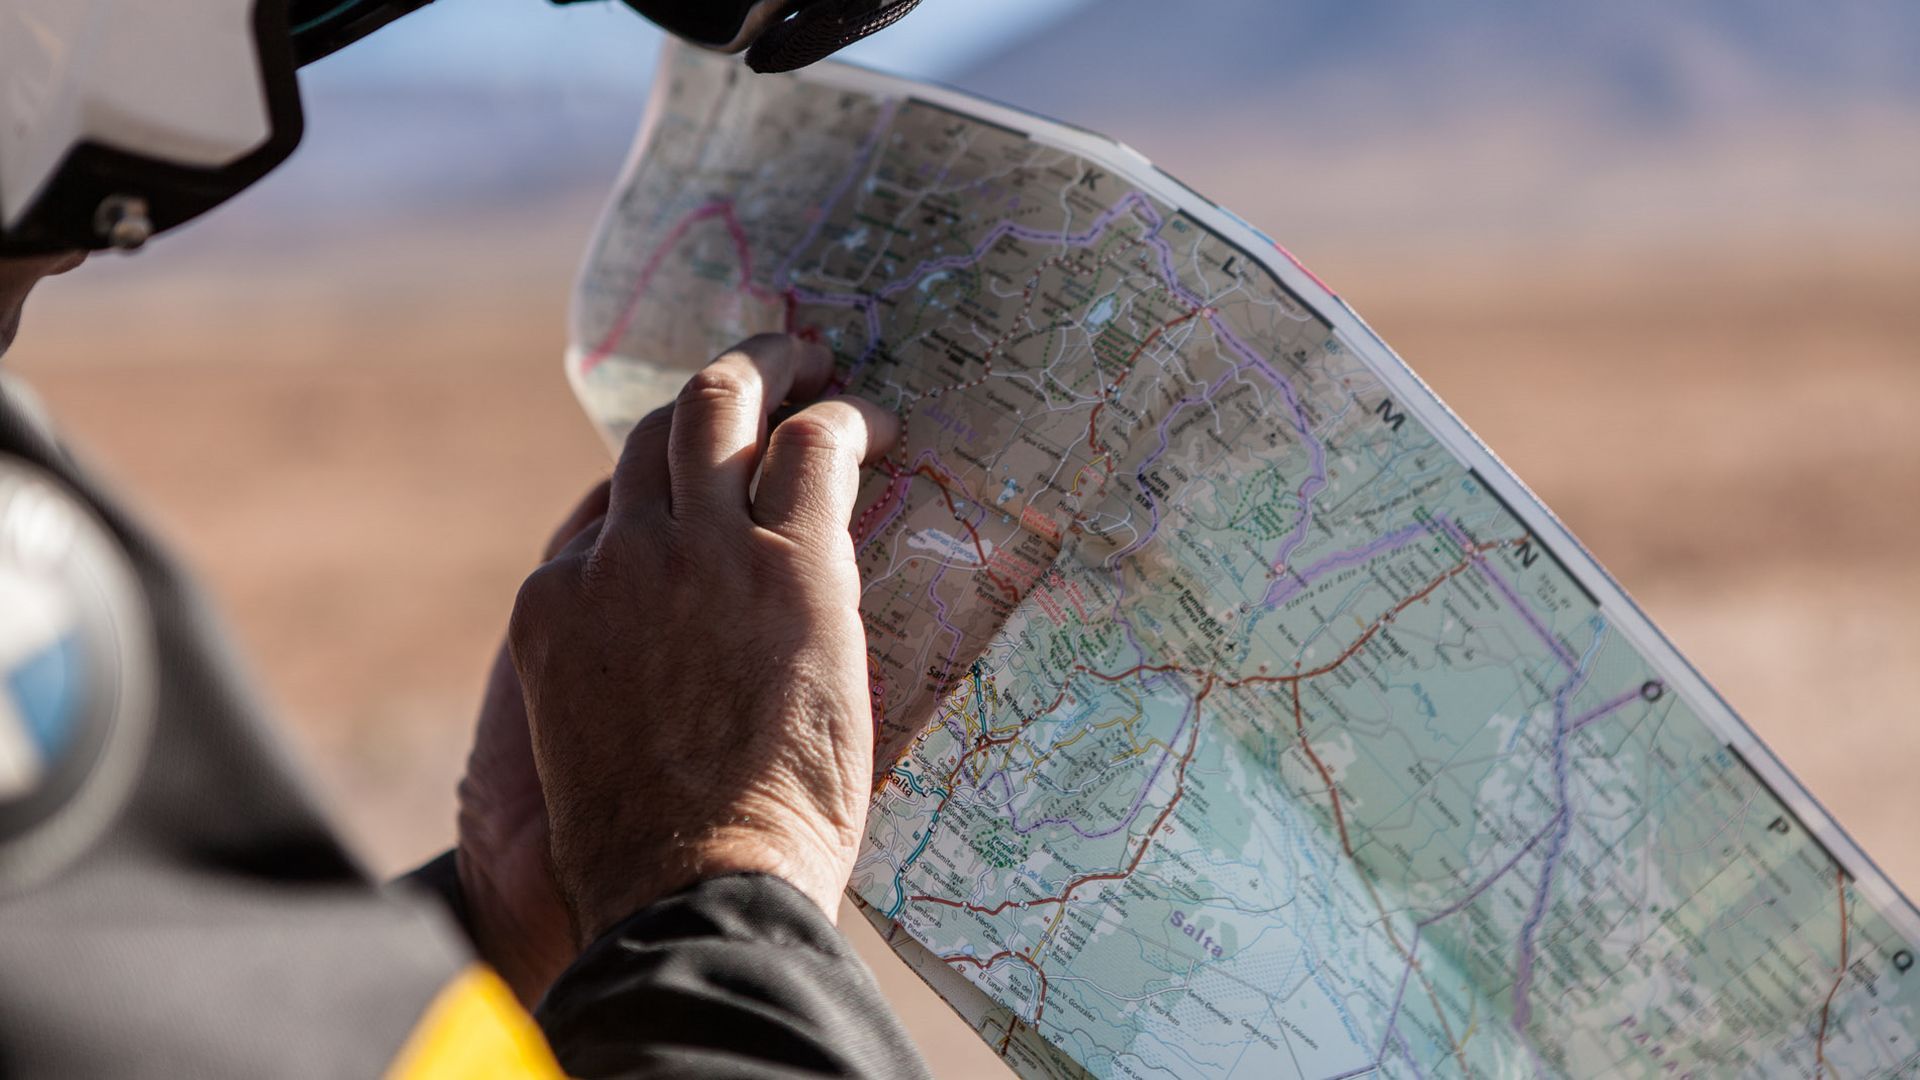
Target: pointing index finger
{"points": [[720, 416], [811, 477]]}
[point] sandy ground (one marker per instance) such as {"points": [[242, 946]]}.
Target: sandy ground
{"points": [[363, 461]]}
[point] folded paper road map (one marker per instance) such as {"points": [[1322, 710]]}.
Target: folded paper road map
{"points": [[1239, 714]]}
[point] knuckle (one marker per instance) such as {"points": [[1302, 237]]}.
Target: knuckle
{"points": [[599, 570], [534, 591], [819, 431], [533, 609], [622, 559], [717, 383], [802, 566]]}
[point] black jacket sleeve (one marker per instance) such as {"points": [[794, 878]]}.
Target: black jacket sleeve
{"points": [[439, 878], [738, 977]]}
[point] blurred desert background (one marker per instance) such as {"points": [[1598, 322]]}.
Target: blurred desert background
{"points": [[1664, 258]]}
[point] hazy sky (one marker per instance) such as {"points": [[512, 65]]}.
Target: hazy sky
{"points": [[518, 43]]}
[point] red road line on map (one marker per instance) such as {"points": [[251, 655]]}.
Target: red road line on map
{"points": [[1028, 294], [1212, 679], [1326, 777], [1299, 718], [983, 742], [1040, 1005], [722, 209], [979, 549], [1473, 556], [1346, 844], [1179, 789], [897, 488], [1126, 369], [1826, 1007], [1152, 669], [1300, 676], [1133, 864]]}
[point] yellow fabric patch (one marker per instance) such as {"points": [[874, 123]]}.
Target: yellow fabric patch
{"points": [[475, 1030]]}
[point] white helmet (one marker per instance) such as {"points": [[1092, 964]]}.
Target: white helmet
{"points": [[123, 118]]}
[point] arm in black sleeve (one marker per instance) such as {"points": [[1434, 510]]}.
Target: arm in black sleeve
{"points": [[440, 879], [741, 977]]}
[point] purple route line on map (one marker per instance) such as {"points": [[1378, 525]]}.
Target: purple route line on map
{"points": [[1133, 811], [893, 498], [1399, 996], [1294, 584], [1523, 967], [1553, 825], [1560, 652], [1420, 927], [1101, 224], [1406, 1055], [1166, 442], [1558, 827], [889, 108], [1533, 622], [1126, 624], [1251, 360], [1133, 203], [1317, 479], [871, 304], [1487, 882], [1602, 711]]}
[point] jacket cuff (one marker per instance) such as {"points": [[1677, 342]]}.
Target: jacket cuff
{"points": [[738, 976], [439, 878]]}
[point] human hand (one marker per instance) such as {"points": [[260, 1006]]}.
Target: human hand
{"points": [[695, 669], [519, 921]]}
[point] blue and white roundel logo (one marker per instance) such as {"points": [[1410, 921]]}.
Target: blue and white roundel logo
{"points": [[43, 671], [75, 657]]}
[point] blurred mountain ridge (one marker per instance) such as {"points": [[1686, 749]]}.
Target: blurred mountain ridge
{"points": [[1330, 123], [1631, 64], [1342, 123]]}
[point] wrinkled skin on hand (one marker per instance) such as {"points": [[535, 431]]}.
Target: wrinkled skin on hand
{"points": [[693, 663], [518, 917]]}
